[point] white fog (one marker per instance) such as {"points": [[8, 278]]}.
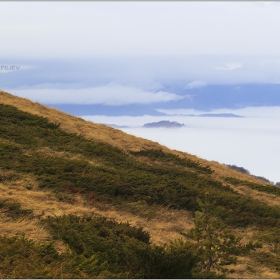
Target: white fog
{"points": [[251, 142]]}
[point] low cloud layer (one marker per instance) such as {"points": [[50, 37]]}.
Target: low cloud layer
{"points": [[251, 142], [111, 94]]}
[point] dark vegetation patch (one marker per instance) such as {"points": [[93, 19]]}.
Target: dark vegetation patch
{"points": [[8, 176], [238, 168], [262, 188], [14, 210], [98, 248], [158, 155], [267, 259], [120, 250], [24, 258]]}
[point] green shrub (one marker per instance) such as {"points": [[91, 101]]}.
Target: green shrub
{"points": [[267, 259], [25, 258], [14, 210], [125, 251], [159, 155], [262, 188]]}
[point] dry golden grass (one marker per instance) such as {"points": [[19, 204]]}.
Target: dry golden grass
{"points": [[46, 151], [163, 225], [269, 199], [221, 171], [248, 269], [27, 226]]}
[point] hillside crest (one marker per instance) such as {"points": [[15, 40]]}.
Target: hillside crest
{"points": [[83, 186], [103, 133]]}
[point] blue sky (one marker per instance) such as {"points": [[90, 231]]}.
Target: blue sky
{"points": [[117, 53]]}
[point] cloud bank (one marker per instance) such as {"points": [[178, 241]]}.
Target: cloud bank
{"points": [[111, 94]]}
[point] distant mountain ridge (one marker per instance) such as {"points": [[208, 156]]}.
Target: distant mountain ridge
{"points": [[166, 124], [222, 115]]}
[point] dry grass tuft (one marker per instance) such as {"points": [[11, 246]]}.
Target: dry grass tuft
{"points": [[269, 199], [46, 151], [164, 225], [248, 269], [27, 226]]}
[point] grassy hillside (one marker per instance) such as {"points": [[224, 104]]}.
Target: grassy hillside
{"points": [[60, 174]]}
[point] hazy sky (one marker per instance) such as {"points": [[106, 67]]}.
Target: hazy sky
{"points": [[44, 30], [135, 48], [126, 52]]}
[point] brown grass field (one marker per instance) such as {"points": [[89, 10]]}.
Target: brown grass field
{"points": [[163, 225]]}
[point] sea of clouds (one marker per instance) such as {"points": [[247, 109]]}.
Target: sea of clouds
{"points": [[251, 142]]}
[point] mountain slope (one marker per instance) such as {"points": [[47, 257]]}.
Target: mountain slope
{"points": [[54, 164], [106, 134]]}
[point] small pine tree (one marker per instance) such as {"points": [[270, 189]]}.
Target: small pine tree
{"points": [[216, 244]]}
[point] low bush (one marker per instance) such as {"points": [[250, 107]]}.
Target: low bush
{"points": [[262, 188], [24, 258], [14, 210], [124, 250], [159, 155]]}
